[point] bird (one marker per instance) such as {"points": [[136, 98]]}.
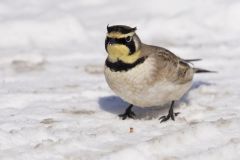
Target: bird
{"points": [[145, 75]]}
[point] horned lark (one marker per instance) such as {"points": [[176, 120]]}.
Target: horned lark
{"points": [[145, 75]]}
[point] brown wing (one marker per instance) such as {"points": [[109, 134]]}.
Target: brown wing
{"points": [[169, 66], [185, 72]]}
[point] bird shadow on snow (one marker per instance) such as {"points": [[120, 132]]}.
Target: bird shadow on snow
{"points": [[195, 85], [116, 105]]}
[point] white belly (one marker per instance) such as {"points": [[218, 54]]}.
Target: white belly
{"points": [[136, 87]]}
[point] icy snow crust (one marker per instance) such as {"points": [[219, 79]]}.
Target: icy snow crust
{"points": [[56, 105]]}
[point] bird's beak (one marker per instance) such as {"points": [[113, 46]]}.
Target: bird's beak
{"points": [[111, 41]]}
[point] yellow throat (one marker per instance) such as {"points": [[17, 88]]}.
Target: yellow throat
{"points": [[121, 52]]}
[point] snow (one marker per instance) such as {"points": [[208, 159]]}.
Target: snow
{"points": [[56, 105]]}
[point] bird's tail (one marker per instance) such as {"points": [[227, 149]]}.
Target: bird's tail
{"points": [[192, 60], [199, 70]]}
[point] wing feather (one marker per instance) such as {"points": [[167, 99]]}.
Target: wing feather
{"points": [[169, 66]]}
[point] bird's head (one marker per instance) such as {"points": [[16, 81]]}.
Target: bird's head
{"points": [[122, 43]]}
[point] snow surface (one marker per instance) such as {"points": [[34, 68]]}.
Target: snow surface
{"points": [[56, 105]]}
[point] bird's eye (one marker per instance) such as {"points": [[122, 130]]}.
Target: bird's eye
{"points": [[128, 39]]}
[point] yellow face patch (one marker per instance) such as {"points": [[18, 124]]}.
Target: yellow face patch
{"points": [[121, 52], [119, 35]]}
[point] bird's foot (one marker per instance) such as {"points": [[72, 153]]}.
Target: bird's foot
{"points": [[128, 114], [170, 115]]}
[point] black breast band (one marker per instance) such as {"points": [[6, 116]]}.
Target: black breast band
{"points": [[121, 66]]}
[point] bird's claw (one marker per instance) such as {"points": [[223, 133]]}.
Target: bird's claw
{"points": [[126, 115], [170, 115]]}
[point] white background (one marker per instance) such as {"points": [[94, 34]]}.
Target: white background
{"points": [[56, 105]]}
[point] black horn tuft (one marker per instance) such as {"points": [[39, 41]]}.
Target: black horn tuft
{"points": [[121, 29], [108, 28], [134, 29]]}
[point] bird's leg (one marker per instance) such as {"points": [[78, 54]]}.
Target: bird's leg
{"points": [[171, 114], [128, 113]]}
